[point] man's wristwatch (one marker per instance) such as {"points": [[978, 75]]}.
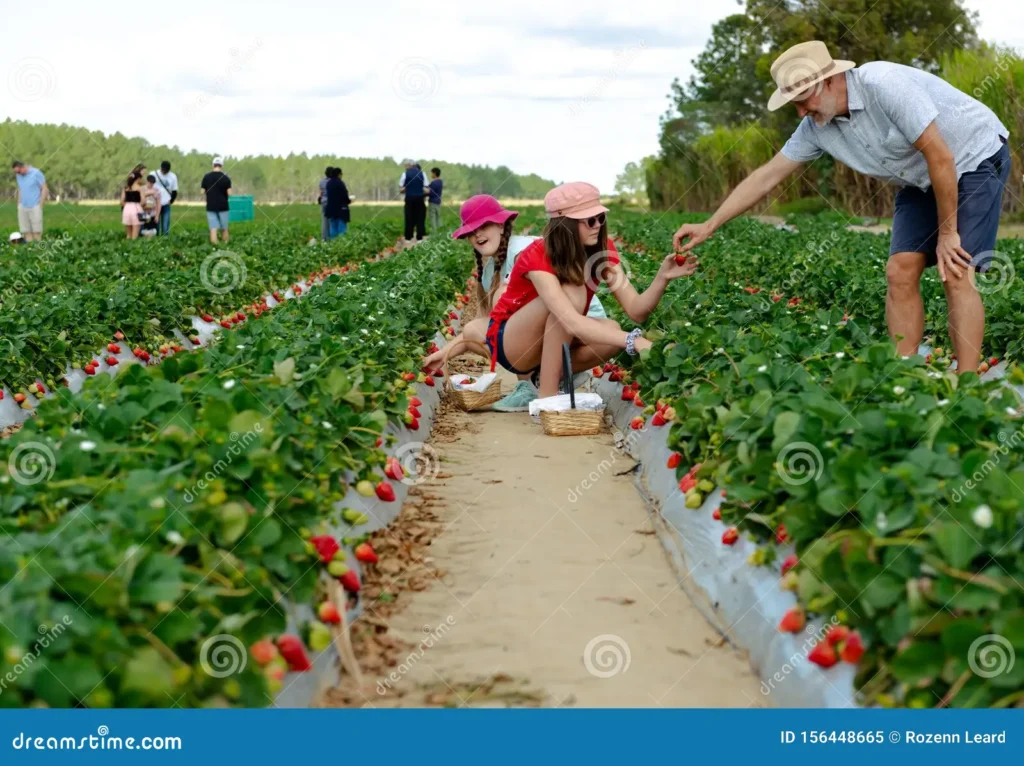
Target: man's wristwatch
{"points": [[631, 341]]}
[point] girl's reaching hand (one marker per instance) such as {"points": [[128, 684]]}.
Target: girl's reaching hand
{"points": [[434, 361], [675, 266]]}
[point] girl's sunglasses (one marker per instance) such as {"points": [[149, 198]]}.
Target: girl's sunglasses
{"points": [[596, 220]]}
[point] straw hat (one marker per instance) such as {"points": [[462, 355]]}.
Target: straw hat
{"points": [[801, 68]]}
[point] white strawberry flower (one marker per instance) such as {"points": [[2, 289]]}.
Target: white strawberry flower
{"points": [[364, 331], [1011, 412], [687, 324], [327, 425], [840, 354], [823, 326], [899, 390], [881, 521], [87, 446], [228, 385], [982, 516], [763, 368], [943, 402]]}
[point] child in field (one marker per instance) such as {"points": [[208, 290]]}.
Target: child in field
{"points": [[550, 289], [488, 227], [150, 206]]}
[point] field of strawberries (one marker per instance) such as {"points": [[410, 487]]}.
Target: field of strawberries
{"points": [[887, 493], [200, 511]]}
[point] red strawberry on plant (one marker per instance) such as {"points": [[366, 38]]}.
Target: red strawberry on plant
{"points": [[119, 335], [414, 425], [429, 382], [294, 653], [717, 514], [438, 373], [380, 441], [240, 316], [823, 655], [113, 348], [19, 397], [789, 562], [669, 413], [837, 634], [415, 402], [364, 552], [225, 324], [414, 412], [638, 401], [730, 536], [792, 621], [207, 318], [264, 652], [89, 369], [194, 339], [112, 361], [350, 581], [597, 372], [615, 377], [687, 483], [853, 649], [993, 361], [326, 546], [393, 469], [408, 376], [328, 613], [635, 385], [627, 394], [385, 492], [453, 315], [658, 419], [636, 423], [674, 460], [781, 535]]}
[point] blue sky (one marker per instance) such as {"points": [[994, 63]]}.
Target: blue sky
{"points": [[569, 91]]}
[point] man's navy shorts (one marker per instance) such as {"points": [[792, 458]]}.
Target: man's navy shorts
{"points": [[915, 224]]}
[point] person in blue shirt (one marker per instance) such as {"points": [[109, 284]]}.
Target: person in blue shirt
{"points": [[413, 184], [336, 210], [32, 193], [434, 208]]}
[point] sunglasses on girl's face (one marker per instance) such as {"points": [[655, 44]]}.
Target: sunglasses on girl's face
{"points": [[597, 220]]}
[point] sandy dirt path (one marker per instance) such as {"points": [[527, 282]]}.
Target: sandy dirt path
{"points": [[530, 575]]}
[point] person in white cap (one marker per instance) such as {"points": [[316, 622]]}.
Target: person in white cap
{"points": [[946, 151], [217, 187]]}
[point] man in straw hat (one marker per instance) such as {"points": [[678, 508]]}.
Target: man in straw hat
{"points": [[947, 151]]}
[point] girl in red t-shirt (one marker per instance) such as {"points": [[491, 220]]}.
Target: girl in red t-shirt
{"points": [[551, 286]]}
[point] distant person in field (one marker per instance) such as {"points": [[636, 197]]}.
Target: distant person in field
{"points": [[413, 185], [325, 226], [167, 182], [337, 204], [132, 214], [436, 189], [151, 206], [216, 186], [946, 151], [32, 193]]}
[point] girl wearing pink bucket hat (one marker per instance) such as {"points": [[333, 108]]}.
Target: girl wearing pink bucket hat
{"points": [[551, 287]]}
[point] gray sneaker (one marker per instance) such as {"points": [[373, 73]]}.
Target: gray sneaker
{"points": [[517, 401]]}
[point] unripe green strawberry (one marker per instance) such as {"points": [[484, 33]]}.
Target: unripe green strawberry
{"points": [[365, 488], [705, 486], [336, 569], [319, 636], [694, 499], [352, 516]]}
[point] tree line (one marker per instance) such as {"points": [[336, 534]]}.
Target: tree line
{"points": [[81, 164], [718, 129]]}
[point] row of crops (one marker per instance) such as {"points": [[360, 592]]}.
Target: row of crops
{"points": [[899, 485], [194, 496]]}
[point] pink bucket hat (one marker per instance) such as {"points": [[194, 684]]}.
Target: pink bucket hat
{"points": [[479, 210], [577, 200]]}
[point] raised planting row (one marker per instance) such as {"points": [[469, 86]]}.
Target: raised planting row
{"points": [[63, 301], [887, 493], [164, 527], [831, 267]]}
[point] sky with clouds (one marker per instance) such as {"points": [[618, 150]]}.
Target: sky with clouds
{"points": [[569, 91]]}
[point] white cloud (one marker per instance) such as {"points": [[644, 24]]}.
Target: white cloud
{"points": [[567, 91]]}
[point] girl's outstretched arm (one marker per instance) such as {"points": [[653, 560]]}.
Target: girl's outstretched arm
{"points": [[470, 339]]}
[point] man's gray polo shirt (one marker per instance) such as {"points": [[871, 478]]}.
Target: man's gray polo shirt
{"points": [[890, 107]]}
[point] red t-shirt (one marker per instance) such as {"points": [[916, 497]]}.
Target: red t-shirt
{"points": [[521, 291]]}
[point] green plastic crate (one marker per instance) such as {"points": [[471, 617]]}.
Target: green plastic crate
{"points": [[241, 208]]}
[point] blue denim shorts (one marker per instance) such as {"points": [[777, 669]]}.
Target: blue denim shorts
{"points": [[499, 352], [217, 220], [915, 224]]}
